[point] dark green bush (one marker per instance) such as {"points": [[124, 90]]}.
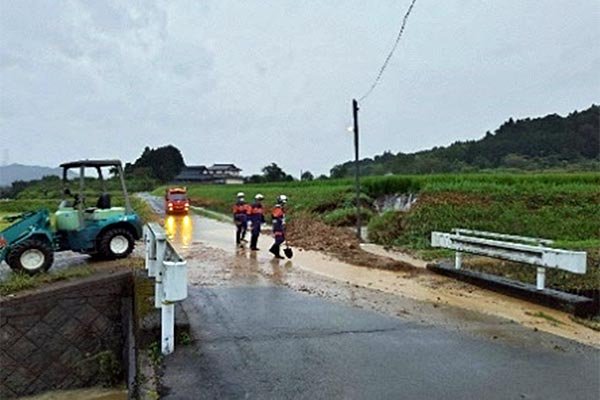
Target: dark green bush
{"points": [[386, 228], [349, 200], [379, 186], [347, 216]]}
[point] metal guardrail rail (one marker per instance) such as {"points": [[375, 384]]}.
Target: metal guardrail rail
{"points": [[169, 271], [502, 236], [521, 249]]}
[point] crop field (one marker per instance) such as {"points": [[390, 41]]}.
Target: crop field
{"points": [[564, 207], [307, 196]]}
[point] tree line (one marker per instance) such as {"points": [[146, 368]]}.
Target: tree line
{"points": [[165, 163], [550, 142]]}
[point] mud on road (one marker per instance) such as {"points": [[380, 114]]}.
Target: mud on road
{"points": [[402, 291], [309, 234]]}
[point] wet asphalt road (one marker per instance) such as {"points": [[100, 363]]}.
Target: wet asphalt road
{"points": [[273, 343], [257, 339]]}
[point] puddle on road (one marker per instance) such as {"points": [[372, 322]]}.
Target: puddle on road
{"points": [[81, 394], [186, 232], [213, 259]]}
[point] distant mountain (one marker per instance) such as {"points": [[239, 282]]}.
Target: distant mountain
{"points": [[550, 142], [20, 172]]}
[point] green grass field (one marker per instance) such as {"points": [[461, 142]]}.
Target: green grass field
{"points": [[560, 206], [564, 207], [304, 196]]}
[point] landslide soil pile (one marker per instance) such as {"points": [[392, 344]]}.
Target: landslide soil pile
{"points": [[309, 233]]}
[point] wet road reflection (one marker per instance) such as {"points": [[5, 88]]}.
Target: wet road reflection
{"points": [[214, 259], [179, 230]]}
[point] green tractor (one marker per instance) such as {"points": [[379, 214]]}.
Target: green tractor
{"points": [[103, 231]]}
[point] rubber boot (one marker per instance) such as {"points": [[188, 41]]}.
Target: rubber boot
{"points": [[244, 229], [254, 242], [275, 251]]}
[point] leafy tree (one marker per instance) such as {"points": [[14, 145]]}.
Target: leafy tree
{"points": [[16, 187], [515, 161], [307, 176], [256, 179], [273, 173], [162, 163]]}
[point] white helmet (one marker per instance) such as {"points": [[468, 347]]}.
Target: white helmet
{"points": [[282, 199], [241, 194], [259, 196]]}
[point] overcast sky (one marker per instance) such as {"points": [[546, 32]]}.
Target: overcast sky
{"points": [[254, 82]]}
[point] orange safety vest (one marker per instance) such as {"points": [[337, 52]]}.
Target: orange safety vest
{"points": [[277, 212], [242, 209]]}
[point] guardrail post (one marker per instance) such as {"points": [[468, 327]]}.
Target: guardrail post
{"points": [[458, 258], [167, 327], [174, 289], [169, 271], [511, 248], [541, 278]]}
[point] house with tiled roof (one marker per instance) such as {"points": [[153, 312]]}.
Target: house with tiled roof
{"points": [[216, 174]]}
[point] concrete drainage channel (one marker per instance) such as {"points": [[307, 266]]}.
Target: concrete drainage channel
{"points": [[102, 330]]}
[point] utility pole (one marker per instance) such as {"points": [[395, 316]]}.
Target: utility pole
{"points": [[356, 167]]}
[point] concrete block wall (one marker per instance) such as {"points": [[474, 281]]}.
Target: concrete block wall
{"points": [[66, 335]]}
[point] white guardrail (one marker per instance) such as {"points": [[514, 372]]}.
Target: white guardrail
{"points": [[521, 249], [169, 271]]}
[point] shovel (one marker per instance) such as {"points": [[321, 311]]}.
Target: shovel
{"points": [[289, 253]]}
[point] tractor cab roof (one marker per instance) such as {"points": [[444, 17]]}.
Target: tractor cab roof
{"points": [[91, 163]]}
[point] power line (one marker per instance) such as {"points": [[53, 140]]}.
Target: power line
{"points": [[389, 56]]}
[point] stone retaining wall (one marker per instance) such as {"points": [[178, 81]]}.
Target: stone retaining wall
{"points": [[67, 335]]}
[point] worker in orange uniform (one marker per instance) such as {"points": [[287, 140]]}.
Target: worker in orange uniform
{"points": [[240, 218], [278, 215], [257, 217]]}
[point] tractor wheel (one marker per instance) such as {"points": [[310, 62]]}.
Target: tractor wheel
{"points": [[31, 256], [115, 243]]}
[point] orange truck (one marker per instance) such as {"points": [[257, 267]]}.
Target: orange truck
{"points": [[176, 201]]}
